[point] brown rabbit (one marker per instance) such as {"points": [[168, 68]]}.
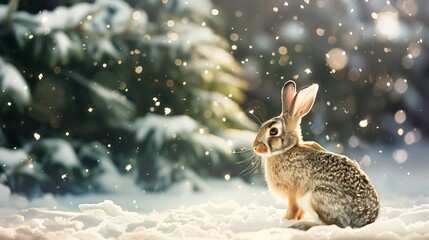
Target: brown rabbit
{"points": [[329, 187]]}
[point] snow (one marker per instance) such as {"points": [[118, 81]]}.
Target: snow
{"points": [[172, 125], [62, 152], [13, 84], [220, 209], [224, 210]]}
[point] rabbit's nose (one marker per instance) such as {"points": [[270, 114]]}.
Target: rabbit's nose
{"points": [[255, 145], [260, 148]]}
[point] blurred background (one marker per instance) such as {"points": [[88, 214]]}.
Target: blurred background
{"points": [[165, 90]]}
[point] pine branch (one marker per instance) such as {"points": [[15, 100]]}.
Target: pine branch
{"points": [[13, 6]]}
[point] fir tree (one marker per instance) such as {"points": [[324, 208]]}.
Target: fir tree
{"points": [[145, 85]]}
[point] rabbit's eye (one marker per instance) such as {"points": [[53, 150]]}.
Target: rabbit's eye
{"points": [[273, 131]]}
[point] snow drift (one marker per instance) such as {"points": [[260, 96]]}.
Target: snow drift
{"points": [[228, 210], [227, 220]]}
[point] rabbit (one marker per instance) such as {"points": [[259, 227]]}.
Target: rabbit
{"points": [[326, 186]]}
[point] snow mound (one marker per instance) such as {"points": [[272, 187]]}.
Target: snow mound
{"points": [[225, 220]]}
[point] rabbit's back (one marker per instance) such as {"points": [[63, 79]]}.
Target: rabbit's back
{"points": [[340, 180]]}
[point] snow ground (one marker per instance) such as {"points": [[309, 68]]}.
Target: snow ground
{"points": [[226, 210], [223, 210]]}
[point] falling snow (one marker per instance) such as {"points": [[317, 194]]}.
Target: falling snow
{"points": [[110, 101]]}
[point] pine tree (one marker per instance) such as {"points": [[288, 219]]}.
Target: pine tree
{"points": [[145, 85]]}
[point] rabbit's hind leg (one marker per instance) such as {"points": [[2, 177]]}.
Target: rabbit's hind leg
{"points": [[331, 208]]}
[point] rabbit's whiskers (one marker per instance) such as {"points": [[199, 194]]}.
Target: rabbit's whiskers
{"points": [[243, 150], [253, 162], [251, 112]]}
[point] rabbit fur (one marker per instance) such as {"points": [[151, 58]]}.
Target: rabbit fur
{"points": [[314, 181]]}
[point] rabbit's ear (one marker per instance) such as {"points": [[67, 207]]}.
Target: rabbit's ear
{"points": [[304, 100], [288, 93]]}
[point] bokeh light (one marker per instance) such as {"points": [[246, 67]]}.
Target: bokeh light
{"points": [[387, 25], [336, 58]]}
